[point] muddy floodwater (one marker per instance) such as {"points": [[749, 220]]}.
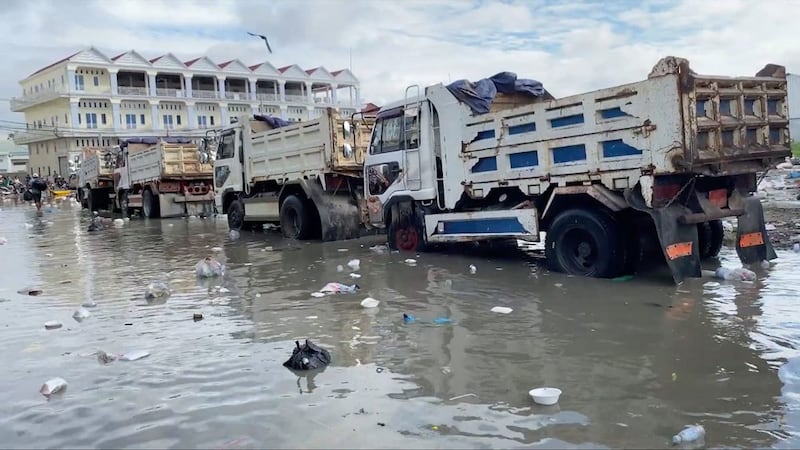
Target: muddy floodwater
{"points": [[636, 360]]}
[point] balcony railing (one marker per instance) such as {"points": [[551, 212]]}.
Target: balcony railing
{"points": [[130, 90], [237, 96], [166, 92], [28, 100], [323, 101], [268, 97], [296, 98], [204, 94]]}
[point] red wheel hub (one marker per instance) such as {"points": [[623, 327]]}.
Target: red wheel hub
{"points": [[406, 238]]}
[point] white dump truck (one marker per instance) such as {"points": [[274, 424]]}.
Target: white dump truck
{"points": [[164, 177], [307, 176], [96, 178], [606, 174]]}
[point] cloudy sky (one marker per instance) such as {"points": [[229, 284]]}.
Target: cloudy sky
{"points": [[570, 46]]}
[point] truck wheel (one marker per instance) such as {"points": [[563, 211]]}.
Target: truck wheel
{"points": [[236, 215], [295, 220], [150, 207], [710, 237], [585, 243], [406, 234], [122, 200], [90, 201]]}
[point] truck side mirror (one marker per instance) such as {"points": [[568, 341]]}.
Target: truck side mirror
{"points": [[347, 129], [347, 150]]}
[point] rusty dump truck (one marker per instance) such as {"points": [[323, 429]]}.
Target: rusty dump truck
{"points": [[162, 177]]}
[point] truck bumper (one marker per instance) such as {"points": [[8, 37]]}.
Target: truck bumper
{"points": [[175, 205]]}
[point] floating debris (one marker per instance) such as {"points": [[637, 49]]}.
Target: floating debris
{"points": [[52, 386], [52, 325], [81, 314], [156, 290], [370, 302], [134, 355]]}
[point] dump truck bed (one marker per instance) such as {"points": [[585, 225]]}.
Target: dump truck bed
{"points": [[308, 149], [165, 161], [94, 167], [674, 122]]}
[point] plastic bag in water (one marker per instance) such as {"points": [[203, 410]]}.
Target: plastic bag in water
{"points": [[209, 267], [339, 288], [308, 357], [155, 290]]}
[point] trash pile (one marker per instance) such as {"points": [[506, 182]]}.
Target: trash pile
{"points": [[781, 184]]}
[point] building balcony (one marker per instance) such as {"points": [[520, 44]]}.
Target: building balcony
{"points": [[127, 90], [293, 98], [268, 97], [172, 93], [237, 96], [19, 104], [33, 135], [204, 94]]}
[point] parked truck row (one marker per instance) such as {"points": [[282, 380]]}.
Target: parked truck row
{"points": [[160, 177], [609, 175]]}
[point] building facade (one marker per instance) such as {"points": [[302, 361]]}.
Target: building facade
{"points": [[91, 100], [13, 158]]}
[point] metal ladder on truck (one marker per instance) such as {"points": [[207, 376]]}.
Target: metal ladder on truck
{"points": [[413, 182]]}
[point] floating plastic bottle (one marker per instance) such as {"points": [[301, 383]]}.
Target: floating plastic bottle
{"points": [[689, 434]]}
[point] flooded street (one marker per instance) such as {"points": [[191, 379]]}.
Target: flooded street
{"points": [[636, 360]]}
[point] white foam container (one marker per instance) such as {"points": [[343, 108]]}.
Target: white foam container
{"points": [[545, 395]]}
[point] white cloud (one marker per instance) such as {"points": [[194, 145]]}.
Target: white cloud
{"points": [[570, 47]]}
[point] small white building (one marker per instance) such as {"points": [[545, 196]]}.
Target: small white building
{"points": [[13, 158]]}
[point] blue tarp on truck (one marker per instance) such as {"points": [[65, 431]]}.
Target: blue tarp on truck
{"points": [[480, 94]]}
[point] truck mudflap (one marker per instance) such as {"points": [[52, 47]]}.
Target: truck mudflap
{"points": [[679, 240], [752, 242], [340, 217]]}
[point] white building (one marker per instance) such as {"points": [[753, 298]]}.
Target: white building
{"points": [[13, 158], [90, 99]]}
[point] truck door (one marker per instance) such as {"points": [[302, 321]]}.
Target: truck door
{"points": [[385, 163], [228, 166]]}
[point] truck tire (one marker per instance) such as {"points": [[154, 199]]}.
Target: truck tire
{"points": [[236, 215], [122, 201], [296, 221], [406, 234], [90, 201], [710, 238], [585, 243], [150, 207]]}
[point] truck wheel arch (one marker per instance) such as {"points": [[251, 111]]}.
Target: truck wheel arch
{"points": [[564, 198]]}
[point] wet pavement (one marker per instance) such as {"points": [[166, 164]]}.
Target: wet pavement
{"points": [[636, 360]]}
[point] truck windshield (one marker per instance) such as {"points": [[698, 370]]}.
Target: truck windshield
{"points": [[227, 146], [387, 136]]}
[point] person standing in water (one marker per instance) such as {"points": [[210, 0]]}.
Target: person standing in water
{"points": [[36, 187]]}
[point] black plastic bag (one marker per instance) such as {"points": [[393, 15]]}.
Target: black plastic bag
{"points": [[27, 196], [308, 357]]}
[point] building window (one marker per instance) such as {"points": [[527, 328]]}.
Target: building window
{"points": [[79, 119], [141, 119], [178, 120], [211, 118], [167, 121], [91, 120], [130, 121], [96, 80], [103, 118], [79, 82]]}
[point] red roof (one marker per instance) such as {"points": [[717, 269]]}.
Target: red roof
{"points": [[310, 71], [156, 58], [192, 61], [370, 107], [114, 58], [225, 64], [284, 69], [337, 72], [255, 66], [54, 64]]}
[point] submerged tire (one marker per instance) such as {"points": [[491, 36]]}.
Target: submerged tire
{"points": [[585, 243], [236, 215], [150, 208], [296, 222], [406, 234], [710, 236]]}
